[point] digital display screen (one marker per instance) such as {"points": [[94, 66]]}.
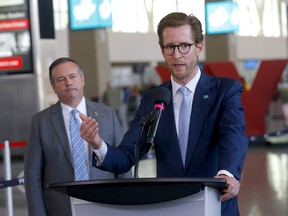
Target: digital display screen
{"points": [[90, 14], [15, 38], [222, 17]]}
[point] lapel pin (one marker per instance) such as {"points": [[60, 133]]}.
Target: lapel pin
{"points": [[95, 113], [205, 97]]}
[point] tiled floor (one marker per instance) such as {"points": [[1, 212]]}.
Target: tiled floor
{"points": [[264, 186]]}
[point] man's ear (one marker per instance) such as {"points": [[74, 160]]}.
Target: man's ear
{"points": [[199, 48]]}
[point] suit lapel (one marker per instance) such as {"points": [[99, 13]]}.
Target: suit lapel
{"points": [[91, 111], [200, 109], [60, 129], [94, 112]]}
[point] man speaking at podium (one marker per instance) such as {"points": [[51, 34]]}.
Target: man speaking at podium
{"points": [[212, 143]]}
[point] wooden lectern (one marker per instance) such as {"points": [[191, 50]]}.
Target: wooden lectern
{"points": [[144, 196]]}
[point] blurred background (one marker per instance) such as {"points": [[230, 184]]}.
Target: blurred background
{"points": [[117, 46]]}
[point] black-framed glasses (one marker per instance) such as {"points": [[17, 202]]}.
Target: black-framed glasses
{"points": [[183, 48]]}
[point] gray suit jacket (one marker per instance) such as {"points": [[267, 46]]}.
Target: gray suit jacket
{"points": [[48, 157]]}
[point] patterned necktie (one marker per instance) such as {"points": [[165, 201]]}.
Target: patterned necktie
{"points": [[78, 149], [183, 124]]}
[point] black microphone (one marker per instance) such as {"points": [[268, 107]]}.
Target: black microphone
{"points": [[161, 99]]}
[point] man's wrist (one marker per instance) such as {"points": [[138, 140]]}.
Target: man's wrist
{"points": [[96, 146], [100, 152]]}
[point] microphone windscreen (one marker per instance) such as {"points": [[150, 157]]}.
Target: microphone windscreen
{"points": [[162, 95]]}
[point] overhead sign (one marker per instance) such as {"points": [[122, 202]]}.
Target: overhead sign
{"points": [[90, 14], [222, 17]]}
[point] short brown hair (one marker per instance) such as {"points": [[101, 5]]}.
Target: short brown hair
{"points": [[177, 19]]}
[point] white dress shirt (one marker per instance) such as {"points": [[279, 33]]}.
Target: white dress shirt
{"points": [[177, 96]]}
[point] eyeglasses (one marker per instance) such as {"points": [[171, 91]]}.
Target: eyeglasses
{"points": [[183, 48]]}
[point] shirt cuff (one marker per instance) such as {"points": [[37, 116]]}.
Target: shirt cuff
{"points": [[225, 172], [100, 153]]}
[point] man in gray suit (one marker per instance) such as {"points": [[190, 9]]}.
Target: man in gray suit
{"points": [[48, 157]]}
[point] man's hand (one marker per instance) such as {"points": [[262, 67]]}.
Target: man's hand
{"points": [[89, 131], [232, 189]]}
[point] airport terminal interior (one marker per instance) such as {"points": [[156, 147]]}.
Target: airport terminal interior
{"points": [[252, 48]]}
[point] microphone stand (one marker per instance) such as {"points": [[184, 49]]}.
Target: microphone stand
{"points": [[144, 122]]}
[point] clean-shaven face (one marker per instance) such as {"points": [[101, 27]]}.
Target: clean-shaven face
{"points": [[68, 84]]}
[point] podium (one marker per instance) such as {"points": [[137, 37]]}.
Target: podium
{"points": [[144, 196]]}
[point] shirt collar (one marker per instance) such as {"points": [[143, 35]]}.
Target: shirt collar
{"points": [[191, 85], [81, 107]]}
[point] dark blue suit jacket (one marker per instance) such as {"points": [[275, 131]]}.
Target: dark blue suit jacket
{"points": [[217, 139]]}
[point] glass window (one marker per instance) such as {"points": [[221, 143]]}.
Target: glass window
{"points": [[144, 15], [266, 18]]}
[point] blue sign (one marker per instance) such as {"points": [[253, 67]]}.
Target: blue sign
{"points": [[90, 14], [222, 17]]}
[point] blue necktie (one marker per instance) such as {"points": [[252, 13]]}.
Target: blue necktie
{"points": [[183, 124], [78, 149]]}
